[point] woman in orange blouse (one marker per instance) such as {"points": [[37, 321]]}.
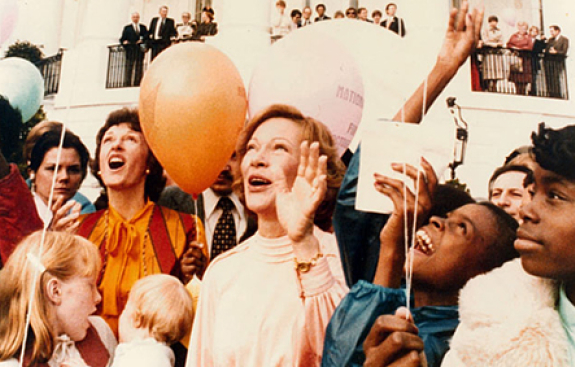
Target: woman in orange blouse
{"points": [[136, 237]]}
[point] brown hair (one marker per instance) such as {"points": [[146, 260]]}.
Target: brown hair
{"points": [[155, 180], [64, 256], [312, 130], [35, 133]]}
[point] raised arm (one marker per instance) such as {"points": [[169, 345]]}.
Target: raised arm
{"points": [[461, 37], [391, 251]]}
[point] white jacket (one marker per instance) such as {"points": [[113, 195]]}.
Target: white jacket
{"points": [[508, 318]]}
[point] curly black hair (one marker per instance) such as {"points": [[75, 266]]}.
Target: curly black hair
{"points": [[554, 150], [506, 234]]}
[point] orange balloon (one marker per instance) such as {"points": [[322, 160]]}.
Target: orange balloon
{"points": [[192, 108]]}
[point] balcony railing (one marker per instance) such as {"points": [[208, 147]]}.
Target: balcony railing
{"points": [[126, 65], [507, 71], [50, 68]]}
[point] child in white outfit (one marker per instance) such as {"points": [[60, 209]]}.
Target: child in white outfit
{"points": [[159, 313]]}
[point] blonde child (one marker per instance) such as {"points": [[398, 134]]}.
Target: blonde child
{"points": [[65, 296], [159, 313]]}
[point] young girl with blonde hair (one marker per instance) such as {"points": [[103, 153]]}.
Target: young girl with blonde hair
{"points": [[63, 279]]}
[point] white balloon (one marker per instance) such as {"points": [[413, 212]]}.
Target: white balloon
{"points": [[392, 67], [22, 85], [313, 72]]}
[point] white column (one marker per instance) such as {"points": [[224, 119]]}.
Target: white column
{"points": [[243, 32], [84, 66], [40, 22]]}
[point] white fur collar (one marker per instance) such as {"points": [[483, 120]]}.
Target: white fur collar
{"points": [[508, 318]]}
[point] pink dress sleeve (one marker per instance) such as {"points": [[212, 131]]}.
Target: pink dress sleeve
{"points": [[323, 288]]}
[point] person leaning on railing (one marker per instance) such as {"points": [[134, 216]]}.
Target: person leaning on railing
{"points": [[492, 63], [206, 28], [520, 59], [554, 62], [185, 29]]}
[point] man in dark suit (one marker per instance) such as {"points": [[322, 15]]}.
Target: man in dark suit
{"points": [[555, 52], [392, 22], [133, 39], [296, 19], [162, 30], [539, 44], [320, 10]]}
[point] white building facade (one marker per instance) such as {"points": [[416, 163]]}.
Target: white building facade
{"points": [[498, 122]]}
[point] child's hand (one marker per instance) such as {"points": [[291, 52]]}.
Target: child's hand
{"points": [[403, 198], [393, 340], [391, 251], [194, 261]]}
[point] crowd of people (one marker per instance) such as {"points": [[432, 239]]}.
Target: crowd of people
{"points": [[163, 31], [273, 265], [282, 23], [533, 63]]}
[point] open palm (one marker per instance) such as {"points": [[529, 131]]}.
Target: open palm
{"points": [[296, 205]]}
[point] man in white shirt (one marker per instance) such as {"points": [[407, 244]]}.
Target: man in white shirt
{"points": [[222, 188], [162, 30], [132, 39], [306, 16], [207, 205], [186, 28]]}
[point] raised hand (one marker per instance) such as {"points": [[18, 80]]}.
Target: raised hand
{"points": [[463, 34], [393, 341], [296, 205], [65, 217], [194, 261], [391, 252], [402, 197]]}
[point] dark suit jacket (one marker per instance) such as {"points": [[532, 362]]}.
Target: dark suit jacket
{"points": [[395, 26], [166, 32], [538, 46], [205, 29], [318, 19], [561, 45], [129, 34]]}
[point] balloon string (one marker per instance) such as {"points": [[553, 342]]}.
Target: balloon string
{"points": [[409, 246], [195, 197], [406, 240], [46, 223], [42, 240], [409, 266]]}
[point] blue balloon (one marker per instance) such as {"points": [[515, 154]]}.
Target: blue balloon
{"points": [[22, 85]]}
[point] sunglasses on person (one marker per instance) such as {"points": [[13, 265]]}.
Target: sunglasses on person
{"points": [[350, 13]]}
